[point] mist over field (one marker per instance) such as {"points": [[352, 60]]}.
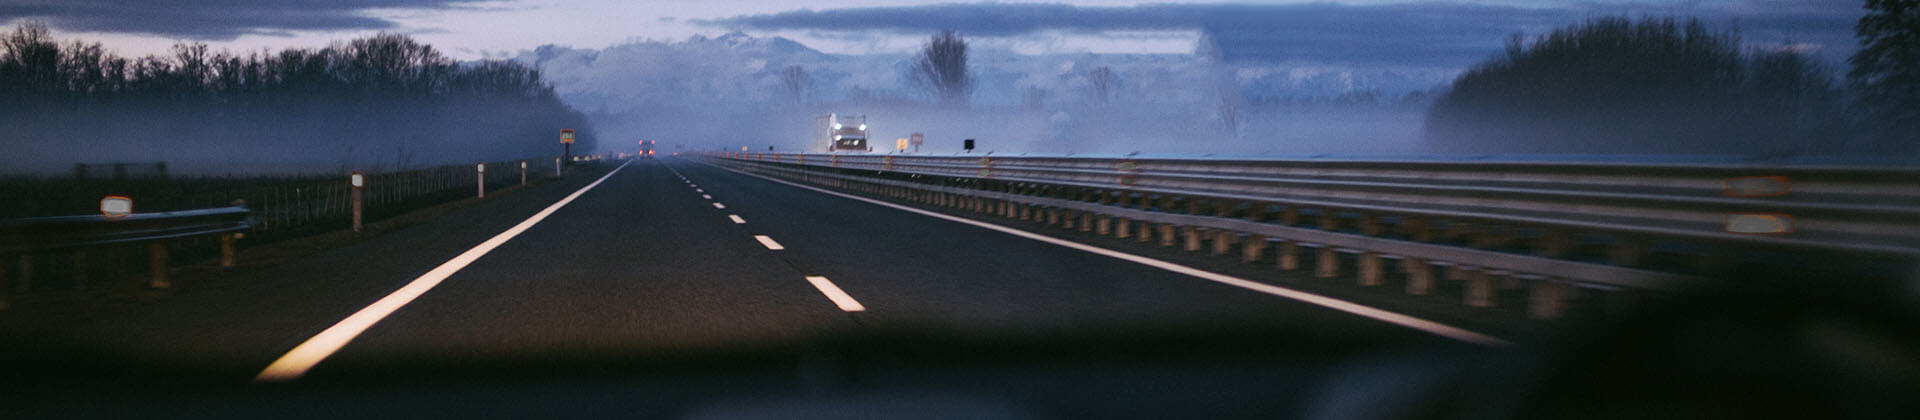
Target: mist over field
{"points": [[729, 91]]}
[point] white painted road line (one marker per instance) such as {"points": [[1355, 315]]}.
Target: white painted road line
{"points": [[840, 298], [309, 353], [709, 197], [1336, 304], [699, 190], [736, 219], [768, 241], [719, 206]]}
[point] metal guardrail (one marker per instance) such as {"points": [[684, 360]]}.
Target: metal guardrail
{"points": [[50, 234], [1858, 209], [70, 233], [1546, 210]]}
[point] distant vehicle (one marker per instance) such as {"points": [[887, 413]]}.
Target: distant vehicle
{"points": [[842, 133], [646, 149]]}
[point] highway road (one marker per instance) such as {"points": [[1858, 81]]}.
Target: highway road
{"points": [[666, 257]]}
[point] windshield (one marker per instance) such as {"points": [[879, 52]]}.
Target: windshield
{"points": [[288, 193]]}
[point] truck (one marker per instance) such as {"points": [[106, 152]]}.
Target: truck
{"points": [[842, 133]]}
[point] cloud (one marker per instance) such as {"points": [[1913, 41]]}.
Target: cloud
{"points": [[212, 20], [1433, 34]]}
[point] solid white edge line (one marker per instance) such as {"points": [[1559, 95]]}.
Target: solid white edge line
{"points": [[736, 219], [316, 349], [1336, 304], [768, 241], [833, 292]]}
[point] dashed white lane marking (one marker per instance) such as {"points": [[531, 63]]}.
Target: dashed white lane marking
{"points": [[699, 190], [719, 206], [768, 241], [736, 219], [309, 353], [1335, 304], [840, 298], [709, 197]]}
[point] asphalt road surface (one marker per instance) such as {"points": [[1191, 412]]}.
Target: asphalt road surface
{"points": [[660, 257]]}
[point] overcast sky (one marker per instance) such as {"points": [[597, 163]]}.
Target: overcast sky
{"points": [[1357, 32]]}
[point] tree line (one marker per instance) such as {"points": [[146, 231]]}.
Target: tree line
{"points": [[1665, 85], [385, 98]]}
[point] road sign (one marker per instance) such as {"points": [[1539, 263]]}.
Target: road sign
{"points": [[917, 138], [900, 144], [116, 206], [968, 145], [566, 136], [357, 180]]}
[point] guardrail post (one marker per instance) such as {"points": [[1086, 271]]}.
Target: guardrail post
{"points": [[226, 249], [1419, 275], [1371, 273], [157, 265], [1189, 232], [1222, 238], [1289, 255], [1328, 264], [1103, 223], [1256, 244], [1479, 290]]}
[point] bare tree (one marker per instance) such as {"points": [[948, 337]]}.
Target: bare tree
{"points": [[795, 78], [1103, 82], [1886, 71], [942, 68]]}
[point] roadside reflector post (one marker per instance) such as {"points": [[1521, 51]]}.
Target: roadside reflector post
{"points": [[1759, 223], [556, 167], [157, 265], [359, 182], [480, 178], [115, 206], [566, 142], [523, 173]]}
